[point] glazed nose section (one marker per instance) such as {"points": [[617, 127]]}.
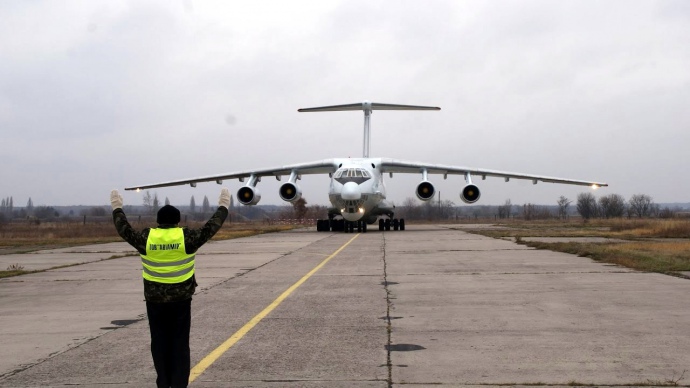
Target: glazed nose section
{"points": [[351, 191]]}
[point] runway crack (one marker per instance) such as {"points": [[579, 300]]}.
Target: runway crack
{"points": [[389, 327]]}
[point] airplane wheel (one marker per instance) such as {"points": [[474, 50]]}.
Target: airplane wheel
{"points": [[395, 224], [402, 224], [359, 226], [364, 227], [387, 224], [352, 227], [381, 224], [346, 227]]}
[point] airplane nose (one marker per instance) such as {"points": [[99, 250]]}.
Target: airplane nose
{"points": [[351, 191]]}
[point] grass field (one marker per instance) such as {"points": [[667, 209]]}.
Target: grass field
{"points": [[647, 245], [22, 237], [644, 244]]}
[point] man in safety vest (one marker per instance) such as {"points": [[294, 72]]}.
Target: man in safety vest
{"points": [[167, 257]]}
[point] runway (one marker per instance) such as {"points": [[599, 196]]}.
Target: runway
{"points": [[429, 306]]}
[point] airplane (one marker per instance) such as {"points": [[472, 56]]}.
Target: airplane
{"points": [[357, 191]]}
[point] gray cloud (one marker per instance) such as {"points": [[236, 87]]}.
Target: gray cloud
{"points": [[105, 95]]}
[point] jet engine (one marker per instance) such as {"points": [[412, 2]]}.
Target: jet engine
{"points": [[470, 194], [425, 190], [248, 195], [290, 192]]}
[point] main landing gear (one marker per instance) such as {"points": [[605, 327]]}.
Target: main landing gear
{"points": [[358, 226], [397, 224], [341, 226]]}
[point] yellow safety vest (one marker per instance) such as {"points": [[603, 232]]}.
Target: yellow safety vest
{"points": [[165, 260]]}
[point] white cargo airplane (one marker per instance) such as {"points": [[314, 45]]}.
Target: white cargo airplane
{"points": [[357, 191]]}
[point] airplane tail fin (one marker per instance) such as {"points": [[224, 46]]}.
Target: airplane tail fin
{"points": [[367, 107]]}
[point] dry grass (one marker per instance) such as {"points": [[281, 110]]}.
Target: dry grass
{"points": [[23, 237], [643, 248], [663, 257], [652, 228], [615, 228]]}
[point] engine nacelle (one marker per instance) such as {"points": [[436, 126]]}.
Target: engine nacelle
{"points": [[425, 190], [470, 194], [248, 195], [290, 192]]}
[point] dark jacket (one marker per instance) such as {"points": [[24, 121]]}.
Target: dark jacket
{"points": [[193, 240]]}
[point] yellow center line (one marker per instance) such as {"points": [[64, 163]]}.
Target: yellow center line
{"points": [[220, 350]]}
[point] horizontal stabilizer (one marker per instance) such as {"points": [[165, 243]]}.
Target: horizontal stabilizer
{"points": [[366, 105]]}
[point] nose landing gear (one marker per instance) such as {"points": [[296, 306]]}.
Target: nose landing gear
{"points": [[341, 226]]}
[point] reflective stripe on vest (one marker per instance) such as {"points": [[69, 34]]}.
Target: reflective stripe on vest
{"points": [[166, 260]]}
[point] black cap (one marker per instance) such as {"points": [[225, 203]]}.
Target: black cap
{"points": [[168, 215]]}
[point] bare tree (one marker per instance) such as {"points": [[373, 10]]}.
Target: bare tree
{"points": [[612, 205], [155, 205], [504, 211], [46, 212], [587, 205], [667, 212], [167, 201], [447, 209], [300, 208], [641, 205], [563, 204], [316, 211], [535, 212], [148, 202], [192, 205], [205, 206], [9, 206], [409, 209]]}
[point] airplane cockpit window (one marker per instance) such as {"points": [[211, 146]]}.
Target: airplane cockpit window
{"points": [[357, 175]]}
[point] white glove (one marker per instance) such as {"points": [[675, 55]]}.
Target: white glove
{"points": [[115, 200], [224, 199]]}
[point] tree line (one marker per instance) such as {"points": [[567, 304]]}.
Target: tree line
{"points": [[152, 205], [615, 205], [8, 211], [586, 205]]}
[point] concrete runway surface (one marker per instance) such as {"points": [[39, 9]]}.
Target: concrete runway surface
{"points": [[430, 306]]}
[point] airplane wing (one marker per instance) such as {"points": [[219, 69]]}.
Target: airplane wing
{"points": [[318, 167], [409, 167]]}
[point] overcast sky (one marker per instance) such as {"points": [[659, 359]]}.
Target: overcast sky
{"points": [[96, 95]]}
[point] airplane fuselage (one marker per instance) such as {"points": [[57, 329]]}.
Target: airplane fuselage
{"points": [[357, 191]]}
